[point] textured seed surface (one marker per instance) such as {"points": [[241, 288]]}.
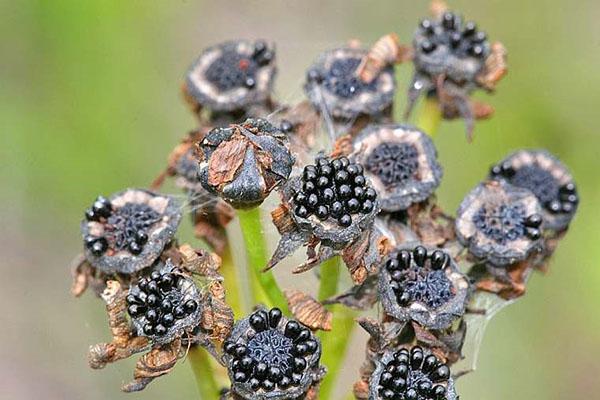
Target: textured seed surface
{"points": [[393, 163]]}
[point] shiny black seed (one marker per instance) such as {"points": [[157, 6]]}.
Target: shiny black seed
{"points": [[303, 335], [386, 378], [152, 300], [312, 346], [419, 255], [135, 248], [424, 387], [496, 170], [359, 180], [370, 194], [441, 373], [259, 47], [300, 349], [160, 330], [416, 359], [141, 237], [296, 379], [336, 164], [155, 275], [133, 299], [179, 312], [344, 191], [426, 25], [367, 206], [168, 319], [246, 363], [166, 305], [429, 363], [286, 126], [310, 173], [257, 322], [571, 198], [388, 394], [476, 50], [448, 20], [284, 383], [166, 282], [254, 383], [404, 259], [250, 82], [90, 215], [399, 384], [342, 176], [292, 329], [397, 275], [427, 46], [533, 233], [353, 205], [190, 306], [152, 315], [479, 37], [240, 351], [325, 170], [336, 209], [507, 170], [312, 201], [439, 392], [267, 385], [567, 207], [152, 287], [322, 212], [411, 394], [229, 347], [274, 317], [299, 364], [322, 182], [301, 211], [344, 160], [265, 58], [568, 188], [470, 28], [455, 39], [345, 220], [402, 370], [534, 220], [392, 264], [438, 259], [353, 169], [300, 198], [275, 374], [261, 370], [314, 76], [404, 298], [239, 377], [554, 206], [359, 192], [135, 310], [309, 186], [148, 329], [328, 195], [99, 247]]}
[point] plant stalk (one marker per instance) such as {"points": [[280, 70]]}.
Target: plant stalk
{"points": [[232, 283], [430, 116], [203, 373]]}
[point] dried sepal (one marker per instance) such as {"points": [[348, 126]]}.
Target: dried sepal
{"points": [[308, 311], [157, 362], [386, 51], [495, 67], [431, 224]]}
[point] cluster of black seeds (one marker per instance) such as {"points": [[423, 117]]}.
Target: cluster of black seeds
{"points": [[334, 188], [341, 78], [160, 302], [233, 70], [462, 39], [419, 276], [507, 222], [393, 163], [411, 375], [124, 227], [272, 357], [555, 198]]}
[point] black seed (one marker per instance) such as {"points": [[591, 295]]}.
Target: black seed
{"points": [[359, 192], [429, 363], [426, 25], [99, 247], [448, 20], [301, 211], [567, 207], [367, 206], [292, 329], [360, 180], [392, 264], [155, 275], [312, 346], [322, 182], [416, 359], [260, 370], [353, 169], [229, 347], [310, 173], [166, 305], [90, 215], [148, 329], [190, 306], [135, 310], [296, 379], [554, 206], [286, 126], [152, 300], [240, 350], [152, 287], [133, 299], [353, 205], [344, 191], [342, 176], [322, 212], [345, 220], [344, 160], [141, 237], [312, 201], [404, 259], [370, 194], [388, 394], [470, 28], [274, 374], [427, 47], [568, 188], [402, 370], [314, 76], [424, 387], [265, 58], [309, 186], [534, 220], [507, 170], [336, 209], [399, 384], [404, 299], [267, 385], [571, 198], [476, 50], [325, 170], [250, 82], [479, 37], [439, 392], [438, 259], [274, 317], [533, 233], [160, 330], [300, 349], [386, 378], [300, 198], [135, 248], [328, 195], [299, 364], [455, 39], [411, 394], [284, 383], [303, 335], [336, 164], [442, 373], [168, 319], [419, 255], [239, 377], [254, 383], [179, 312], [257, 322], [495, 170], [152, 315]]}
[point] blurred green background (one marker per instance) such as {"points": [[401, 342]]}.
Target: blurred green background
{"points": [[89, 104]]}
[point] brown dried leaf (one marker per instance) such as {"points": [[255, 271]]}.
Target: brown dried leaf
{"points": [[159, 361], [226, 160], [308, 311]]}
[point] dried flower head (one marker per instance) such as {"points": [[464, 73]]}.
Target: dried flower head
{"points": [[332, 85], [451, 59], [500, 223], [545, 176], [128, 231], [423, 286], [164, 305], [411, 374], [331, 204], [271, 357], [401, 163], [232, 75], [243, 163]]}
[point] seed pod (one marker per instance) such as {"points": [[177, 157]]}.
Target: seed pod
{"points": [[128, 231], [164, 305], [411, 373], [401, 163], [271, 357], [423, 285], [232, 75], [548, 179], [498, 223], [333, 85], [243, 163]]}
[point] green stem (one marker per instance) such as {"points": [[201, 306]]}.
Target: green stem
{"points": [[334, 343], [231, 281], [203, 372], [430, 116], [263, 284]]}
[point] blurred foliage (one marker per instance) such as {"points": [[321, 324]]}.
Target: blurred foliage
{"points": [[89, 104]]}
